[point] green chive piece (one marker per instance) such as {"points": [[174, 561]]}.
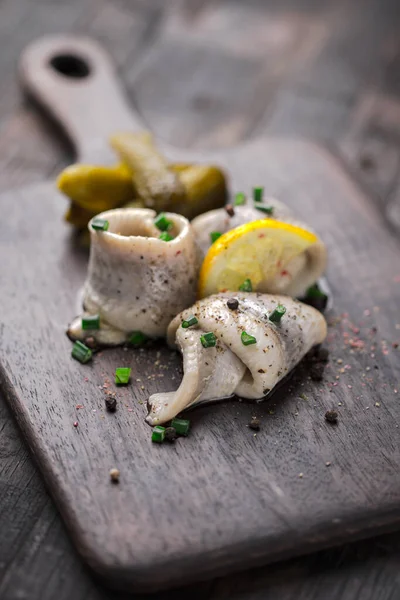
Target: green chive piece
{"points": [[269, 210], [181, 426], [315, 292], [258, 193], [189, 322], [91, 322], [81, 352], [137, 338], [316, 298], [165, 237], [208, 340], [122, 375], [162, 222], [214, 235], [158, 434], [246, 286], [240, 198], [277, 314], [100, 224], [248, 339]]}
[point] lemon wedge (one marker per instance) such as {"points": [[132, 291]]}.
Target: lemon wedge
{"points": [[258, 251]]}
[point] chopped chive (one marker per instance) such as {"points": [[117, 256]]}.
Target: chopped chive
{"points": [[214, 235], [162, 222], [246, 286], [91, 322], [81, 352], [277, 314], [100, 224], [165, 237], [181, 426], [189, 322], [314, 292], [269, 210], [158, 434], [316, 298], [258, 193], [122, 375], [137, 338], [208, 340], [240, 199], [248, 339]]}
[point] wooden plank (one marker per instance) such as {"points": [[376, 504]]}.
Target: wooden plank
{"points": [[252, 502]]}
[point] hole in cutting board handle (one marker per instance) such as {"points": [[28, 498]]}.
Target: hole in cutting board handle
{"points": [[71, 65]]}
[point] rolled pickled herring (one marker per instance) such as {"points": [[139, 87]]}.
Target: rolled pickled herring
{"points": [[136, 281], [297, 275], [232, 367]]}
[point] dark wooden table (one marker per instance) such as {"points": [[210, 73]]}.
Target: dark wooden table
{"points": [[205, 73]]}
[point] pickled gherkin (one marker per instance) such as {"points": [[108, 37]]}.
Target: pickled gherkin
{"points": [[156, 182], [205, 188], [142, 178], [97, 188]]}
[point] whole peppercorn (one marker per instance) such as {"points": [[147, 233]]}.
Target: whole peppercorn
{"points": [[230, 210], [170, 434], [254, 424], [91, 342], [114, 475], [111, 404], [331, 416], [233, 303]]}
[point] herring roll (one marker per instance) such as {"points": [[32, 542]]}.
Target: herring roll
{"points": [[292, 278], [138, 278], [242, 344]]}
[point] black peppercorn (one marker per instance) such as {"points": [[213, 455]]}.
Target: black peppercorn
{"points": [[170, 434], [230, 210], [91, 342], [232, 303], [331, 416], [111, 404], [254, 424]]}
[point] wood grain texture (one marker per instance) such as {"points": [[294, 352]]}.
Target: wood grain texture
{"points": [[367, 35]]}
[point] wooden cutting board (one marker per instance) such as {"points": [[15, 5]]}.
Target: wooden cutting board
{"points": [[224, 498]]}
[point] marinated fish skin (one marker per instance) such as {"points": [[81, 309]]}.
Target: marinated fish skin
{"points": [[248, 371], [208, 373], [299, 273], [135, 281]]}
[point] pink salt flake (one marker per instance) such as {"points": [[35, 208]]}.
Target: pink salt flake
{"points": [[359, 344]]}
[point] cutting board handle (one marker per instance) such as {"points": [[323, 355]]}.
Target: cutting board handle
{"points": [[74, 80]]}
